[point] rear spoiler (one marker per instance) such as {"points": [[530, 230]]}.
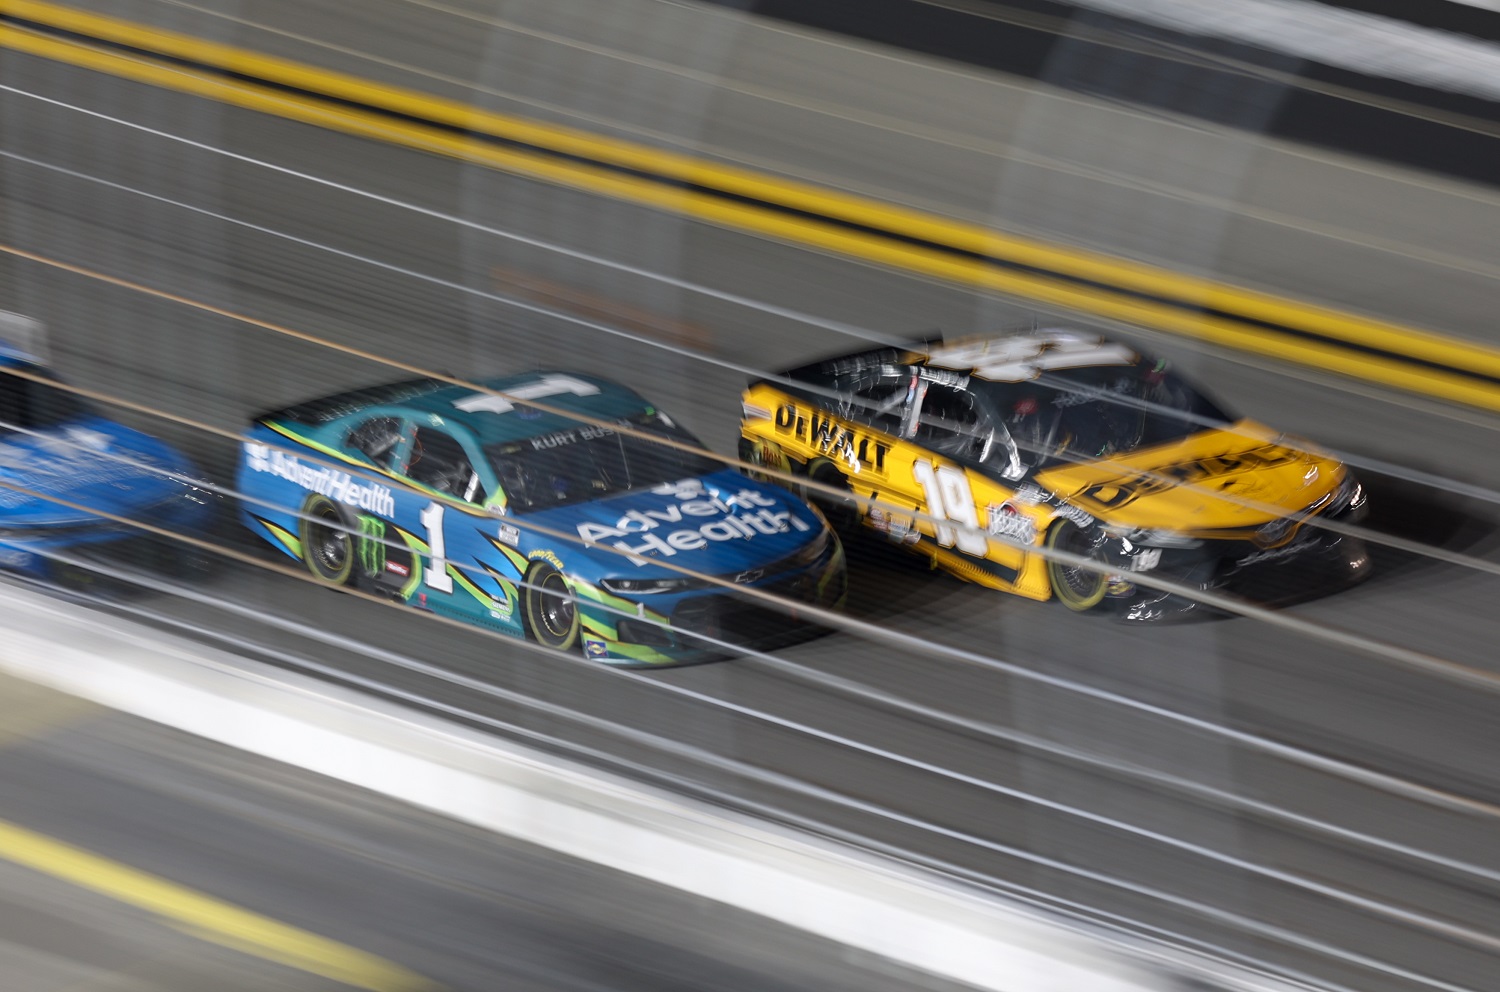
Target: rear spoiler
{"points": [[327, 408], [841, 364]]}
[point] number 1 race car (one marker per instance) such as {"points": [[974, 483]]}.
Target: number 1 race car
{"points": [[474, 505], [990, 456], [66, 471]]}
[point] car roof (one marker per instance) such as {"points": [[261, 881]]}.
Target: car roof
{"points": [[964, 354], [566, 392]]}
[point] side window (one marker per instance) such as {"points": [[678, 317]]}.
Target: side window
{"points": [[876, 396], [439, 462], [376, 439], [950, 423]]}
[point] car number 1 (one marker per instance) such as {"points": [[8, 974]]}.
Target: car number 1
{"points": [[436, 573]]}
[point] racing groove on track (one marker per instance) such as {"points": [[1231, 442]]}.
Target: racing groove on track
{"points": [[1234, 673]]}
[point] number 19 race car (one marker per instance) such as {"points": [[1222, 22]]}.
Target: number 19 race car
{"points": [[991, 456], [474, 505]]}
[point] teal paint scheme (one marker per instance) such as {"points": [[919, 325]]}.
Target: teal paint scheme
{"points": [[594, 536]]}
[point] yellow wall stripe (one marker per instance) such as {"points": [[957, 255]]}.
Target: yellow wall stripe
{"points": [[206, 917], [1106, 299]]}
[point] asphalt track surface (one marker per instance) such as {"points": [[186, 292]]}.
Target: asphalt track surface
{"points": [[1386, 875], [426, 898]]}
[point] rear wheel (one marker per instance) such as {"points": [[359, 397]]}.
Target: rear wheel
{"points": [[1078, 588], [327, 545], [551, 615]]}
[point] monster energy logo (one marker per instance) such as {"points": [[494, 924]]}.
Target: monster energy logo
{"points": [[371, 544]]}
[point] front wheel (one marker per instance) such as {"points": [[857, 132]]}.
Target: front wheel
{"points": [[842, 512], [551, 615], [1078, 588], [327, 547], [760, 454]]}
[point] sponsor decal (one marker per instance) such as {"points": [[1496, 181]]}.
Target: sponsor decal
{"points": [[547, 556], [1122, 491], [585, 433], [396, 568], [502, 607], [1070, 512], [744, 515], [681, 489], [1145, 559], [1007, 521], [750, 576], [1032, 495], [895, 526], [372, 544], [856, 448], [509, 535], [595, 648], [324, 480]]}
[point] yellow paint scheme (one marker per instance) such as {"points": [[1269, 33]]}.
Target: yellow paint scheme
{"points": [[1217, 484], [1213, 484]]}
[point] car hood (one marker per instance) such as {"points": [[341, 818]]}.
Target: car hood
{"points": [[718, 524], [1243, 476], [85, 463]]}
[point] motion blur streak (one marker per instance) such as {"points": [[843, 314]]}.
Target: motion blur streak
{"points": [[771, 309], [753, 773], [1253, 742], [207, 917], [1393, 785], [1373, 536], [1418, 660], [1320, 337]]}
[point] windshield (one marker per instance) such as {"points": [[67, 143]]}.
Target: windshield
{"points": [[587, 463], [31, 405], [1088, 413]]}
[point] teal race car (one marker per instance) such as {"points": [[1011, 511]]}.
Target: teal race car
{"points": [[615, 535]]}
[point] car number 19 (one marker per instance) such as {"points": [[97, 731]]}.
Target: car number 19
{"points": [[950, 498]]}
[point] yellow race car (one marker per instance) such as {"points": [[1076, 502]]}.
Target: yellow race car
{"points": [[1000, 458]]}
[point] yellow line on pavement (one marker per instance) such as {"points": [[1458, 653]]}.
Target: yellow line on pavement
{"points": [[1329, 339], [206, 917]]}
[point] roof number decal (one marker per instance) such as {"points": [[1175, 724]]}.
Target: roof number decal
{"points": [[552, 385], [1020, 358]]}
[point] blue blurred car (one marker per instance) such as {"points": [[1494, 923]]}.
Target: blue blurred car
{"points": [[481, 508], [66, 469]]}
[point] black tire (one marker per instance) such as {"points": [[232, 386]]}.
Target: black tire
{"points": [[547, 605], [843, 514], [1079, 589], [327, 542]]}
